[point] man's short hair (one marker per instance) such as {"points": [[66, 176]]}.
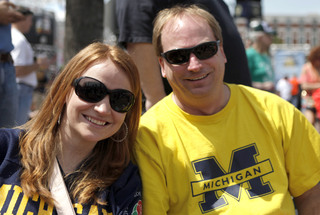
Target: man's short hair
{"points": [[177, 12], [24, 10]]}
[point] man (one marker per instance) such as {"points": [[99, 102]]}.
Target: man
{"points": [[135, 21], [259, 61], [295, 91], [217, 148], [8, 86], [25, 66], [284, 88]]}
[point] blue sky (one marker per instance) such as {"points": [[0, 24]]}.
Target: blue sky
{"points": [[291, 7], [287, 7]]}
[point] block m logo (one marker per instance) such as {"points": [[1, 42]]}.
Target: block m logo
{"points": [[243, 168]]}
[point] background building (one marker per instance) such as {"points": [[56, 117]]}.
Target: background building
{"points": [[290, 29], [296, 29], [296, 35]]}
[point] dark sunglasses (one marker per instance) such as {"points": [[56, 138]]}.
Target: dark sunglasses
{"points": [[91, 90], [202, 51]]}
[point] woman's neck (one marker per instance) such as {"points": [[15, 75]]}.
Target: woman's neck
{"points": [[72, 154]]}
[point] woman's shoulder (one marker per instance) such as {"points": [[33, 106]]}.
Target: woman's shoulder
{"points": [[9, 136], [9, 144], [130, 175], [309, 74], [10, 131], [126, 192]]}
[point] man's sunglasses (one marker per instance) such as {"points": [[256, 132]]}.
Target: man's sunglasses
{"points": [[91, 90], [202, 51]]}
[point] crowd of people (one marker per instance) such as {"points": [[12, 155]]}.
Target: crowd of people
{"points": [[219, 141], [300, 91]]}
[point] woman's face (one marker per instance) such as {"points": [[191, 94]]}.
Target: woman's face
{"points": [[91, 122]]}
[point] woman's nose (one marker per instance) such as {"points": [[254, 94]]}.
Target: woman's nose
{"points": [[103, 107]]}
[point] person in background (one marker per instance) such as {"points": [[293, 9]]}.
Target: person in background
{"points": [[259, 60], [295, 92], [310, 84], [25, 65], [8, 86], [284, 88], [135, 22], [84, 132], [211, 147]]}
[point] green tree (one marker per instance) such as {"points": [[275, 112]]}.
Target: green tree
{"points": [[84, 25]]}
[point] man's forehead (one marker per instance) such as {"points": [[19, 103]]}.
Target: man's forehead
{"points": [[176, 24], [185, 31]]}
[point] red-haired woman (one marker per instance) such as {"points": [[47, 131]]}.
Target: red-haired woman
{"points": [[84, 132]]}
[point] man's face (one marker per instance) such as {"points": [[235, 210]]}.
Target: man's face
{"points": [[196, 78], [26, 24], [266, 40]]}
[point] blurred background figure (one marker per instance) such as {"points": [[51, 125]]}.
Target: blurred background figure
{"points": [[283, 88], [8, 86], [25, 65], [310, 85], [258, 56], [295, 91]]}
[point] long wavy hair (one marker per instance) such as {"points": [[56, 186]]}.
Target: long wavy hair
{"points": [[39, 144]]}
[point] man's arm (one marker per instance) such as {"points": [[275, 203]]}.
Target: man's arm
{"points": [[155, 194], [8, 14], [41, 64], [145, 58], [310, 86], [26, 70], [309, 202]]}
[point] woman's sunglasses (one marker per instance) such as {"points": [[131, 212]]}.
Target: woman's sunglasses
{"points": [[202, 51], [91, 90]]}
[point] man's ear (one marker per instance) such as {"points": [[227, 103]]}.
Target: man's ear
{"points": [[223, 54], [161, 62]]}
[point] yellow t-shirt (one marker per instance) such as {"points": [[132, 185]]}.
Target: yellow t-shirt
{"points": [[250, 158]]}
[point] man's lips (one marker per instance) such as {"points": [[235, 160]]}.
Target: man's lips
{"points": [[198, 78]]}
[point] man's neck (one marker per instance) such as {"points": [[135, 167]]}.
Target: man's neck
{"points": [[205, 105], [260, 48]]}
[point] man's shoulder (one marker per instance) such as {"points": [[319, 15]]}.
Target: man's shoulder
{"points": [[16, 35], [159, 115], [158, 108], [253, 95]]}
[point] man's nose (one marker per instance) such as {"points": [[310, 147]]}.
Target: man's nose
{"points": [[194, 63]]}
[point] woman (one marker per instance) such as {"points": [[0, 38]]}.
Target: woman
{"points": [[310, 84], [87, 124]]}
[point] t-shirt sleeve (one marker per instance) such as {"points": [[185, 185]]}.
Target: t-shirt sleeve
{"points": [[302, 156]]}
